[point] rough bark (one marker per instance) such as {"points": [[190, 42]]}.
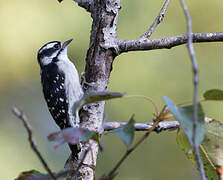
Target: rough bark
{"points": [[100, 56]]}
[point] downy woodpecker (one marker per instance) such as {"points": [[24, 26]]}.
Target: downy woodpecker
{"points": [[60, 83]]}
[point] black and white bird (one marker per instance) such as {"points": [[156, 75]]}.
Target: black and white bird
{"points": [[60, 82]]}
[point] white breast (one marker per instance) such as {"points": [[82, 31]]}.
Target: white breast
{"points": [[72, 84]]}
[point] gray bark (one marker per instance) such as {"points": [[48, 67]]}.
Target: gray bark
{"points": [[166, 125], [100, 56]]}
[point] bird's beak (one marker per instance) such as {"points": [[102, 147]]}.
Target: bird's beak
{"points": [[65, 44]]}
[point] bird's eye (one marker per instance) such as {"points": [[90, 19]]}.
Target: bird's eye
{"points": [[56, 46]]}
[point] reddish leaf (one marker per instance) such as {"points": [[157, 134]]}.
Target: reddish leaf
{"points": [[33, 175], [71, 136]]}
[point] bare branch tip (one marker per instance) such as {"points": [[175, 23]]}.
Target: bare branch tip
{"points": [[16, 111], [157, 21], [19, 114]]}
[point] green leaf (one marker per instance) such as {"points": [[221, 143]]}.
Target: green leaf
{"points": [[213, 143], [183, 143], [33, 175], [126, 133], [214, 94], [185, 116], [71, 136], [95, 96], [96, 137]]}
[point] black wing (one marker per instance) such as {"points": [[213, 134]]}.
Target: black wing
{"points": [[54, 93]]}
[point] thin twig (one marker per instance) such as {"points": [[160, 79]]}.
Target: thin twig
{"points": [[63, 173], [132, 149], [196, 81], [129, 151], [166, 125], [157, 21], [19, 114], [144, 97], [166, 43]]}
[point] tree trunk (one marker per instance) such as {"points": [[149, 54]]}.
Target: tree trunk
{"points": [[99, 60]]}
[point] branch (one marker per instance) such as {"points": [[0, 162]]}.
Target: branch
{"points": [[162, 126], [26, 124], [196, 81], [166, 43], [157, 21], [86, 4]]}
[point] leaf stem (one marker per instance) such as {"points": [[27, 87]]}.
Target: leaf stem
{"points": [[144, 97]]}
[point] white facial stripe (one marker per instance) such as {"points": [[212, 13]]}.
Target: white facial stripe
{"points": [[47, 60], [48, 46]]}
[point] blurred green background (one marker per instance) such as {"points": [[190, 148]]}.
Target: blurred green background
{"points": [[27, 24]]}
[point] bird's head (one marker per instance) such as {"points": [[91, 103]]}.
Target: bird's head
{"points": [[52, 52]]}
